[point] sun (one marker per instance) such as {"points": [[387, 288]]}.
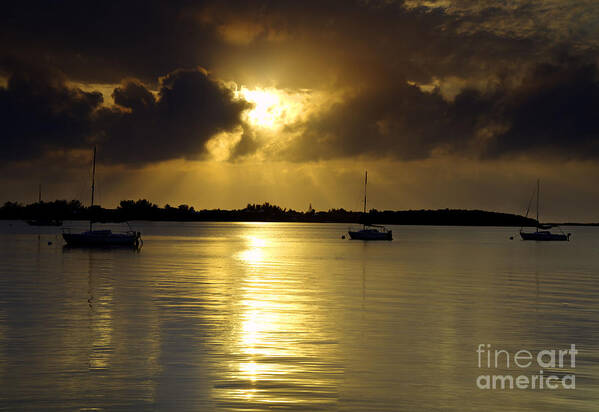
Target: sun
{"points": [[272, 111], [267, 109], [273, 108]]}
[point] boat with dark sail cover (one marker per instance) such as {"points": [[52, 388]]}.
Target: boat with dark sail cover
{"points": [[370, 231], [101, 238], [542, 232]]}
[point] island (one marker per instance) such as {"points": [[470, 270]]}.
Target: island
{"points": [[143, 209]]}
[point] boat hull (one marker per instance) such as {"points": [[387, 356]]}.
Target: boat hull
{"points": [[102, 239], [370, 235], [544, 236]]}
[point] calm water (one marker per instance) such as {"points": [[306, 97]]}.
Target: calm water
{"points": [[241, 316]]}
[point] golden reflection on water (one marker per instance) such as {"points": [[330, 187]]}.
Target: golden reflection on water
{"points": [[269, 364], [101, 339], [100, 320], [289, 316], [254, 253]]}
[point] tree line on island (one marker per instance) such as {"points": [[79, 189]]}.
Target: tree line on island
{"points": [[143, 209]]}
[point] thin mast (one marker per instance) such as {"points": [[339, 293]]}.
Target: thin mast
{"points": [[93, 187], [39, 194], [538, 196], [365, 182]]}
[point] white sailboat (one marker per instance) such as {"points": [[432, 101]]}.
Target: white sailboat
{"points": [[370, 232], [101, 238], [544, 234]]}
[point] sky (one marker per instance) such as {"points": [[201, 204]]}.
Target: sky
{"points": [[216, 104]]}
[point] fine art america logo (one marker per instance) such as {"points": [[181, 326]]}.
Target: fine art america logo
{"points": [[559, 361]]}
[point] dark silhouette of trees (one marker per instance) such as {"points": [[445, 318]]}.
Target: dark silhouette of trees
{"points": [[143, 209]]}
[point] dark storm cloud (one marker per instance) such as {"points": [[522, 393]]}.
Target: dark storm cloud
{"points": [[190, 108], [302, 43], [104, 41], [39, 112], [133, 95], [400, 121], [341, 43], [555, 111], [551, 112], [378, 51]]}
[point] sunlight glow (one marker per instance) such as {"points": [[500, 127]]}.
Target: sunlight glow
{"points": [[273, 108], [267, 110], [254, 254]]}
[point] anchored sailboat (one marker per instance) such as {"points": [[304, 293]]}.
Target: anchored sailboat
{"points": [[545, 234], [370, 232], [43, 221], [101, 238]]}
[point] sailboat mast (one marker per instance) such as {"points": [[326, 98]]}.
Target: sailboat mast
{"points": [[93, 186], [538, 196], [365, 182]]}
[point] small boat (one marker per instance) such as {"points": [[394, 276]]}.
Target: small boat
{"points": [[101, 238], [369, 231], [542, 233], [43, 221]]}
